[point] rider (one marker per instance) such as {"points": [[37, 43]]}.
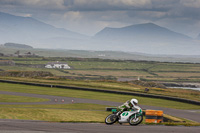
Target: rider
{"points": [[130, 105]]}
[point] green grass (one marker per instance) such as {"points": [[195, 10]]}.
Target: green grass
{"points": [[13, 98], [32, 62], [112, 69], [114, 73], [20, 68], [74, 106], [57, 115], [109, 65], [112, 85], [165, 67], [77, 112], [94, 95]]}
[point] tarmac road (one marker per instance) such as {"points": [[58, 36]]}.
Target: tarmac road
{"points": [[21, 126]]}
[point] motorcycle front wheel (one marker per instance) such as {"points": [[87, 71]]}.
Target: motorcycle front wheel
{"points": [[110, 119], [135, 121]]}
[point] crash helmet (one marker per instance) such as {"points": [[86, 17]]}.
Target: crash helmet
{"points": [[134, 102]]}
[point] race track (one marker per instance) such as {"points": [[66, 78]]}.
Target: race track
{"points": [[188, 114], [22, 126]]}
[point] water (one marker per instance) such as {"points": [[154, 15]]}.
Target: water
{"points": [[198, 89]]}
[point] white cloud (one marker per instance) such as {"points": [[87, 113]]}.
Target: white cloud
{"points": [[102, 5], [37, 4], [136, 3], [72, 15], [191, 3]]}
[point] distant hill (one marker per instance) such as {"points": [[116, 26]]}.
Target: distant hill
{"points": [[148, 38], [141, 32], [198, 37], [116, 55], [29, 30], [15, 45]]}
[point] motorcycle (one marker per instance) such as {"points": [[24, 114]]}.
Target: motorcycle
{"points": [[132, 117]]}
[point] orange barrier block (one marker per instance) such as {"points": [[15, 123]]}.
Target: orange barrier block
{"points": [[154, 116]]}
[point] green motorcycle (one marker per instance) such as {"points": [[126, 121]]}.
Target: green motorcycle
{"points": [[132, 117]]}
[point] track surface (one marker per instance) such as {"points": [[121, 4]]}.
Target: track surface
{"points": [[21, 126]]}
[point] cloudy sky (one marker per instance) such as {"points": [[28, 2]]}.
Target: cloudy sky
{"points": [[90, 16]]}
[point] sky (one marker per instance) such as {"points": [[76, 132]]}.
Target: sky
{"points": [[90, 16]]}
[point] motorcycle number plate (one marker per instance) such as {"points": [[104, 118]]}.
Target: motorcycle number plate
{"points": [[124, 116]]}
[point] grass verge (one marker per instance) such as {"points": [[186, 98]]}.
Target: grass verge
{"points": [[116, 86], [175, 121], [55, 113], [94, 95], [12, 98]]}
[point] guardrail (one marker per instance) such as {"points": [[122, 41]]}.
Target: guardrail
{"points": [[107, 91]]}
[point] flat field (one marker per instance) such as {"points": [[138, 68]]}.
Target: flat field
{"points": [[98, 69]]}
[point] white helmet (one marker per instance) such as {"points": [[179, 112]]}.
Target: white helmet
{"points": [[134, 102]]}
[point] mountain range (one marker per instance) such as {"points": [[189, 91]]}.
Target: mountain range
{"points": [[149, 38], [142, 32], [198, 37], [31, 31], [146, 38]]}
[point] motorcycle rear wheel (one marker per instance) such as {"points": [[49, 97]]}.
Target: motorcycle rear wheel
{"points": [[135, 121], [110, 119]]}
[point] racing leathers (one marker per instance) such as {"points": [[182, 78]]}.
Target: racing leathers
{"points": [[128, 106]]}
